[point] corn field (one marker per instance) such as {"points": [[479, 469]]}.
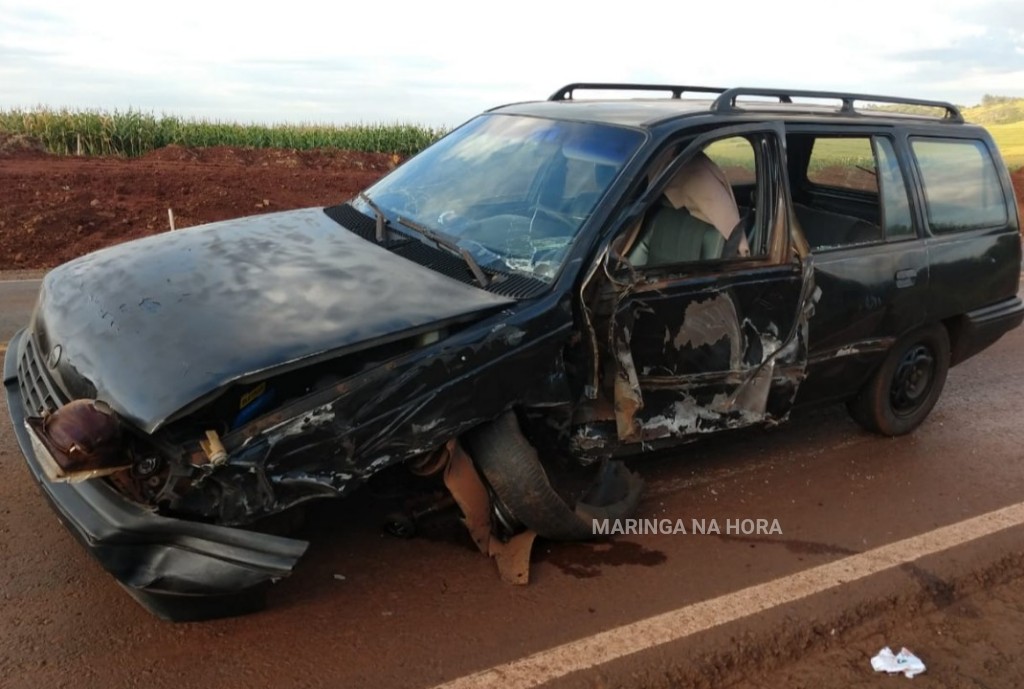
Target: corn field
{"points": [[133, 133]]}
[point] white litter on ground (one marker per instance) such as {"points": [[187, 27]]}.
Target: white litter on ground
{"points": [[904, 661]]}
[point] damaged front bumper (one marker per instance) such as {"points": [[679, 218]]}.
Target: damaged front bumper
{"points": [[179, 570]]}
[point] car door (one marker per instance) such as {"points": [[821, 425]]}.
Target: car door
{"points": [[704, 345], [851, 196]]}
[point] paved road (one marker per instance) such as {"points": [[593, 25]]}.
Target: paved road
{"points": [[366, 610], [17, 297]]}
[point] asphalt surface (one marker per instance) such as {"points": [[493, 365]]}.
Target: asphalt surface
{"points": [[17, 297], [367, 610]]}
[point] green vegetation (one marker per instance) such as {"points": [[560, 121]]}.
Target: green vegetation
{"points": [[996, 110], [132, 133], [991, 110], [736, 152], [1010, 140]]}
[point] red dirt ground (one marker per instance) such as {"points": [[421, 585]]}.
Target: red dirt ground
{"points": [[56, 208]]}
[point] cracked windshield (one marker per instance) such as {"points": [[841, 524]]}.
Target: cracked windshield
{"points": [[513, 191]]}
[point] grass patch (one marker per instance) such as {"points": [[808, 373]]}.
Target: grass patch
{"points": [[1010, 140]]}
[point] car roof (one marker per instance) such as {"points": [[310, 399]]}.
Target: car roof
{"points": [[648, 112]]}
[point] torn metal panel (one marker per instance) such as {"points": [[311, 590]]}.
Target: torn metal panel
{"points": [[683, 417], [751, 395], [861, 348], [709, 321], [330, 441], [513, 557], [594, 357], [691, 360], [628, 398], [470, 494]]}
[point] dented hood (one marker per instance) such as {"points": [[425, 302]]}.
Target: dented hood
{"points": [[163, 322]]}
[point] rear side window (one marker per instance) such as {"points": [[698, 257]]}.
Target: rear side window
{"points": [[845, 163], [961, 184], [854, 194]]}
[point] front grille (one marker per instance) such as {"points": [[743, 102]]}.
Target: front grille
{"points": [[38, 390]]}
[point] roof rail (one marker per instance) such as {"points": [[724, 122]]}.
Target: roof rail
{"points": [[726, 102], [565, 93]]}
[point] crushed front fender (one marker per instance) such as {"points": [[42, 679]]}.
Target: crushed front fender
{"points": [[179, 570]]}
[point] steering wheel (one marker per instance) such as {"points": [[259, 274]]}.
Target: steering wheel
{"points": [[565, 223]]}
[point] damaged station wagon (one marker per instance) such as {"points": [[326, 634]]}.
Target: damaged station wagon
{"points": [[592, 277]]}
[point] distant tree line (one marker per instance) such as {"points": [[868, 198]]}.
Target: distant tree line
{"points": [[989, 99], [996, 110]]}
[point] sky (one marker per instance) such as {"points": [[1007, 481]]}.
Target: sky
{"points": [[441, 62]]}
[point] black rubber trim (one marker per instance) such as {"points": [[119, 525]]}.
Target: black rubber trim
{"points": [[177, 569], [506, 284], [986, 325]]}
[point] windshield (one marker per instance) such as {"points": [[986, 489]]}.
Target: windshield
{"points": [[512, 191]]}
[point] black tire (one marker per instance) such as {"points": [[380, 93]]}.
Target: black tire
{"points": [[510, 464], [902, 392]]}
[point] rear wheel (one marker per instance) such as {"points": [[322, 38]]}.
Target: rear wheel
{"points": [[903, 391]]}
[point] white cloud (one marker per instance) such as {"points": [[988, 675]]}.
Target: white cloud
{"points": [[442, 62]]}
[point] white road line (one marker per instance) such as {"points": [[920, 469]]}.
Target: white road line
{"points": [[8, 282], [619, 642]]}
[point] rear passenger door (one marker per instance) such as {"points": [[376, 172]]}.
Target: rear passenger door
{"points": [[852, 199], [972, 236]]}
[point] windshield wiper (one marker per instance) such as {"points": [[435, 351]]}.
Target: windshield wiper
{"points": [[381, 231], [442, 239]]}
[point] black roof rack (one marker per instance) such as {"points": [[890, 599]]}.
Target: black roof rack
{"points": [[565, 93], [726, 102]]}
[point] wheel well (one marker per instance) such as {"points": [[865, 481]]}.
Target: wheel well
{"points": [[954, 329]]}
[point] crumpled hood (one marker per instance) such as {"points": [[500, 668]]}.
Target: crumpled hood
{"points": [[161, 322]]}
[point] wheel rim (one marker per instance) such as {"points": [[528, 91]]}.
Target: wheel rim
{"points": [[912, 380]]}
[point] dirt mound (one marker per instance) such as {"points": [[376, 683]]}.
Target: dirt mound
{"points": [[279, 157], [56, 208], [173, 154], [20, 145]]}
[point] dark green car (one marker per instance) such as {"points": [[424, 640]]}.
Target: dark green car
{"points": [[591, 277]]}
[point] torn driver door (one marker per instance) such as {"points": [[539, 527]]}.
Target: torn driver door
{"points": [[713, 341]]}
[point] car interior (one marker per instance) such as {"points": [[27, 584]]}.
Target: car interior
{"points": [[835, 197], [678, 227]]}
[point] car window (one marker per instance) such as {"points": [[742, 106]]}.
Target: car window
{"points": [[843, 162], [706, 211], [896, 218], [854, 192], [513, 191], [735, 156], [961, 186]]}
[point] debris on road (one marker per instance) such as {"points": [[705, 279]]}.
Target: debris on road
{"points": [[904, 661]]}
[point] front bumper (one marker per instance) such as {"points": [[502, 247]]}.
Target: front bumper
{"points": [[179, 570]]}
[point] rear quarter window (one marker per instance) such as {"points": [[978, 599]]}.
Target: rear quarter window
{"points": [[961, 184]]}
